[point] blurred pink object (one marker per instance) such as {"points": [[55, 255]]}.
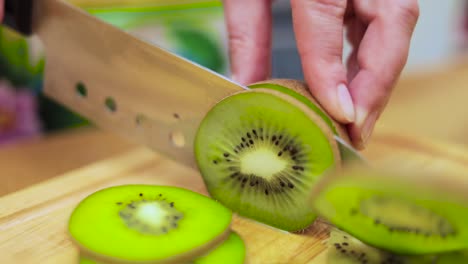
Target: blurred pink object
{"points": [[18, 114]]}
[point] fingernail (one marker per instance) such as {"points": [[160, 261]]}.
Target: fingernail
{"points": [[368, 128], [346, 103]]}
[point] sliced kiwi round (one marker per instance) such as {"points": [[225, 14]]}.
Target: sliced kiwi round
{"points": [[231, 251], [148, 224], [301, 92], [459, 257], [346, 249], [403, 212], [260, 152]]}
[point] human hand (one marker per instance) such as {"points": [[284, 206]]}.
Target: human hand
{"points": [[354, 93], [2, 8]]}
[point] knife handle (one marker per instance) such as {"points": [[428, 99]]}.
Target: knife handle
{"points": [[18, 15]]}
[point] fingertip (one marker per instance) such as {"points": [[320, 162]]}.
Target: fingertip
{"points": [[346, 103], [361, 131]]}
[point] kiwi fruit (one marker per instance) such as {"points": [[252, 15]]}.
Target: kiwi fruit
{"points": [[230, 251], [406, 212], [346, 249], [301, 92], [260, 152], [459, 257], [148, 224]]}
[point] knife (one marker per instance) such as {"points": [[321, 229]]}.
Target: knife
{"points": [[121, 83]]}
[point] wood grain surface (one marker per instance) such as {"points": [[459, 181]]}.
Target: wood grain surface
{"points": [[33, 221]]}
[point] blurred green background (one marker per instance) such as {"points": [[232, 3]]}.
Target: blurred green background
{"points": [[190, 28]]}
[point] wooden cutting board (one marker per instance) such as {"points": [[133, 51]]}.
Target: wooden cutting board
{"points": [[33, 221]]}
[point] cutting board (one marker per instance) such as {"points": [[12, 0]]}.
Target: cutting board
{"points": [[33, 221]]}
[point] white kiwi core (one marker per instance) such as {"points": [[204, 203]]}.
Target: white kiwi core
{"points": [[151, 214], [262, 162]]}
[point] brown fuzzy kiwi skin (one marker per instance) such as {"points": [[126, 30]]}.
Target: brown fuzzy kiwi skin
{"points": [[302, 88], [182, 258]]}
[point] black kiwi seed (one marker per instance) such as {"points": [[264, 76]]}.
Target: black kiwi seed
{"points": [[244, 180], [252, 183], [215, 161], [253, 131], [131, 206], [280, 137], [235, 174], [248, 135], [343, 251], [377, 221], [280, 153], [160, 195], [273, 138], [345, 244], [266, 192], [226, 155], [243, 139], [295, 167], [164, 230], [277, 143], [176, 217], [172, 204], [119, 203], [251, 141], [261, 137], [290, 185], [282, 184], [141, 194]]}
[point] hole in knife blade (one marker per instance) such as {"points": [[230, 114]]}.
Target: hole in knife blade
{"points": [[81, 89], [177, 139], [110, 104], [139, 119]]}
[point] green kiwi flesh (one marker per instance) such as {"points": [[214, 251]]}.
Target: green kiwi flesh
{"points": [[148, 224], [346, 249], [230, 251], [290, 87], [460, 257], [405, 213], [299, 97], [260, 154]]}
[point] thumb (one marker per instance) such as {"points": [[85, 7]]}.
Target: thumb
{"points": [[318, 26]]}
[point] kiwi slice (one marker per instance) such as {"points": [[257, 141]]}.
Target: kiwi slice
{"points": [[300, 91], [346, 249], [403, 212], [230, 251], [148, 224], [460, 257], [260, 152]]}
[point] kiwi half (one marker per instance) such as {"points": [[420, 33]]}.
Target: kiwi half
{"points": [[346, 249], [404, 212], [230, 251], [148, 224], [260, 152]]}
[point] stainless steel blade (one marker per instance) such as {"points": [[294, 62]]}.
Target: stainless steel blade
{"points": [[348, 153], [126, 85], [158, 98]]}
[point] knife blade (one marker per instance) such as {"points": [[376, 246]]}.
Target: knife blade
{"points": [[122, 83]]}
